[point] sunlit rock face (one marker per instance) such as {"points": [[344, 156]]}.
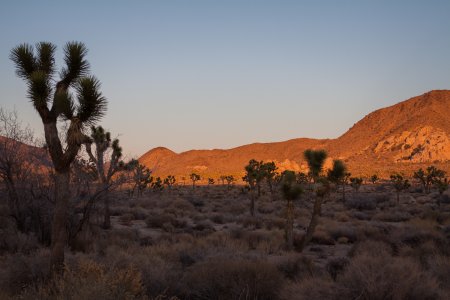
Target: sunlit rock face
{"points": [[424, 144]]}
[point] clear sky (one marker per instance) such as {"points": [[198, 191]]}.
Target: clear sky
{"points": [[218, 74]]}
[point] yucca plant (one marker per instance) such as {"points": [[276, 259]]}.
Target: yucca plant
{"points": [[291, 191], [74, 96], [316, 160], [102, 141]]}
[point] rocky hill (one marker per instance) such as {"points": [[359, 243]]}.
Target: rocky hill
{"points": [[403, 137]]}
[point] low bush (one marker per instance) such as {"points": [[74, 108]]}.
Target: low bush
{"points": [[233, 279]]}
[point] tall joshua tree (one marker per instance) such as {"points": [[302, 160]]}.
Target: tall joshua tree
{"points": [[102, 142], [291, 191], [54, 99]]}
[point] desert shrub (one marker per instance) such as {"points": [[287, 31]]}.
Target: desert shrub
{"points": [[275, 223], [233, 279], [361, 202], [126, 219], [266, 207], [371, 247], [218, 218], [139, 213], [339, 231], [251, 222], [322, 237], [18, 271], [336, 266], [254, 238], [392, 216], [296, 267], [385, 277], [157, 220], [310, 288], [439, 266], [90, 280], [361, 215], [445, 199], [204, 227]]}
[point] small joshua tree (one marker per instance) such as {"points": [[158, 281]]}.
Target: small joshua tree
{"points": [[356, 183], [210, 181], [170, 181], [75, 98], [291, 191], [157, 184], [442, 185], [194, 177], [374, 179], [102, 141], [230, 180], [270, 171], [315, 160], [141, 177], [400, 184], [429, 177], [338, 175], [302, 178], [253, 176]]}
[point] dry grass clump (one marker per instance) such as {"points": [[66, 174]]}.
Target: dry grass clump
{"points": [[374, 275], [18, 271], [226, 279], [90, 280]]}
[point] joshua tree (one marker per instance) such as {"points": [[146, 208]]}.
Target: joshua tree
{"points": [[222, 178], [374, 179], [230, 180], [428, 178], [315, 160], [141, 176], [253, 176], [170, 181], [55, 100], [356, 183], [442, 185], [338, 175], [322, 190], [302, 178], [270, 171], [210, 181], [400, 184], [256, 173], [194, 177], [291, 191], [157, 185], [102, 141]]}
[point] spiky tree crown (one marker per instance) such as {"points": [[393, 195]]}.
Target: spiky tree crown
{"points": [[315, 160], [337, 173], [290, 189], [36, 65]]}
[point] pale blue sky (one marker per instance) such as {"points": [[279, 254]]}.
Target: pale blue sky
{"points": [[218, 74]]}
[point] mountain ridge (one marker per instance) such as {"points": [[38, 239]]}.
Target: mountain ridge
{"points": [[408, 134]]}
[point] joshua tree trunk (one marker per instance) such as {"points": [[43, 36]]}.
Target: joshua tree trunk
{"points": [[252, 203], [398, 197], [60, 217], [259, 189], [107, 215], [289, 225], [313, 223]]}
